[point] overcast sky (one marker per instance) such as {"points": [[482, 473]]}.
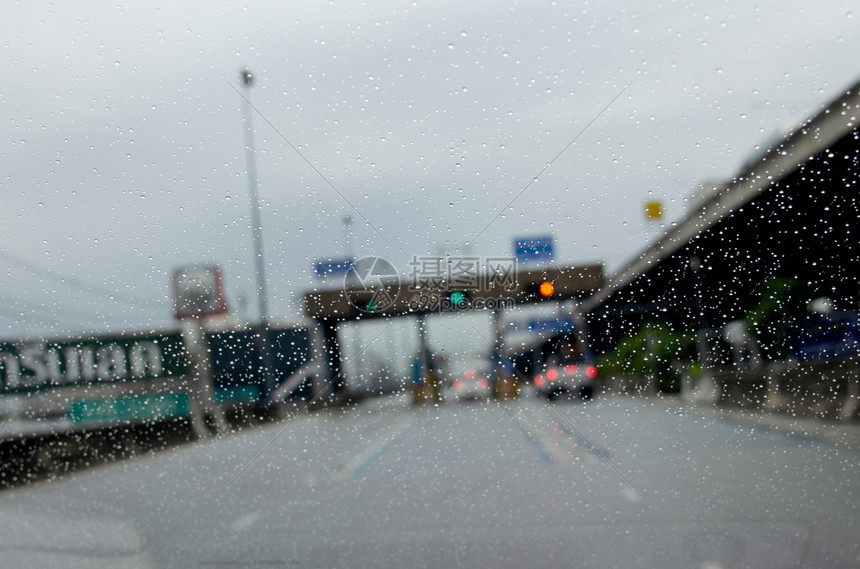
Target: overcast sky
{"points": [[123, 155]]}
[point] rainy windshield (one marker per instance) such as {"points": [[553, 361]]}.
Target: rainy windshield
{"points": [[436, 284]]}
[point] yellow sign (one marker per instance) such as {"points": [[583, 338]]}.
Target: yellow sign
{"points": [[653, 210]]}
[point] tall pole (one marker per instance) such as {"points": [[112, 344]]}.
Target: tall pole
{"points": [[257, 228], [347, 236], [355, 339]]}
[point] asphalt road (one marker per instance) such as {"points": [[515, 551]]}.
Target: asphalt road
{"points": [[610, 483]]}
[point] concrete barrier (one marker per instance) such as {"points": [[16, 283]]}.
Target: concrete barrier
{"points": [[828, 389], [618, 384], [824, 388]]}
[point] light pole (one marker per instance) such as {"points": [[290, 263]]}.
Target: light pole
{"points": [[356, 336], [257, 228], [347, 236]]}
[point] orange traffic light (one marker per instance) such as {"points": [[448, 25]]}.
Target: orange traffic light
{"points": [[546, 288]]}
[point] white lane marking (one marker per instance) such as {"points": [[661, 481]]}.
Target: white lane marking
{"points": [[631, 495], [574, 448], [558, 454], [244, 522], [372, 449]]}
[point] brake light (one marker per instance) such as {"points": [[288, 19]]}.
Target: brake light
{"points": [[591, 371], [539, 380], [482, 383], [570, 369], [469, 375], [552, 374], [458, 385]]}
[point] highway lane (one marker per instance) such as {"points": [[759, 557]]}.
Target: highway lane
{"points": [[610, 483]]}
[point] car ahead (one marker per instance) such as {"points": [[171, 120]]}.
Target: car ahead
{"points": [[471, 382], [572, 379]]}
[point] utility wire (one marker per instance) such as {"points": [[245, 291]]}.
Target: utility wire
{"points": [[73, 282], [59, 314], [551, 162]]}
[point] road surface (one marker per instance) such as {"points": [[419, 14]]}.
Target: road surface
{"points": [[609, 483]]}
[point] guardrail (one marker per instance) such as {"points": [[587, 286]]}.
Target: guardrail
{"points": [[617, 384], [828, 389], [822, 388]]}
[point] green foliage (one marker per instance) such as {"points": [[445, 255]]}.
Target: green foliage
{"points": [[654, 351], [658, 352], [782, 300]]}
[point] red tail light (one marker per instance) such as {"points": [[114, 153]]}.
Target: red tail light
{"points": [[482, 383], [591, 371], [458, 385], [552, 374], [570, 369], [539, 380]]}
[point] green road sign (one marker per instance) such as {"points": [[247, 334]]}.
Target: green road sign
{"points": [[148, 406], [33, 366]]}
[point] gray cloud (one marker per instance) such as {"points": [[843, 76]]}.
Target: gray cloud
{"points": [[123, 155]]}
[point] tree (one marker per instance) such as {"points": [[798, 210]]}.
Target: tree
{"points": [[782, 301], [652, 352]]}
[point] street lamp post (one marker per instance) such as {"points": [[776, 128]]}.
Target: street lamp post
{"points": [[356, 339], [257, 228], [347, 236]]}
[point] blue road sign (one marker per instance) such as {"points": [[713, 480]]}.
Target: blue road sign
{"points": [[549, 325], [330, 267], [554, 325], [529, 249]]}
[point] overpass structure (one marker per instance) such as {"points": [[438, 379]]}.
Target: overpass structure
{"points": [[792, 212], [385, 295]]}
